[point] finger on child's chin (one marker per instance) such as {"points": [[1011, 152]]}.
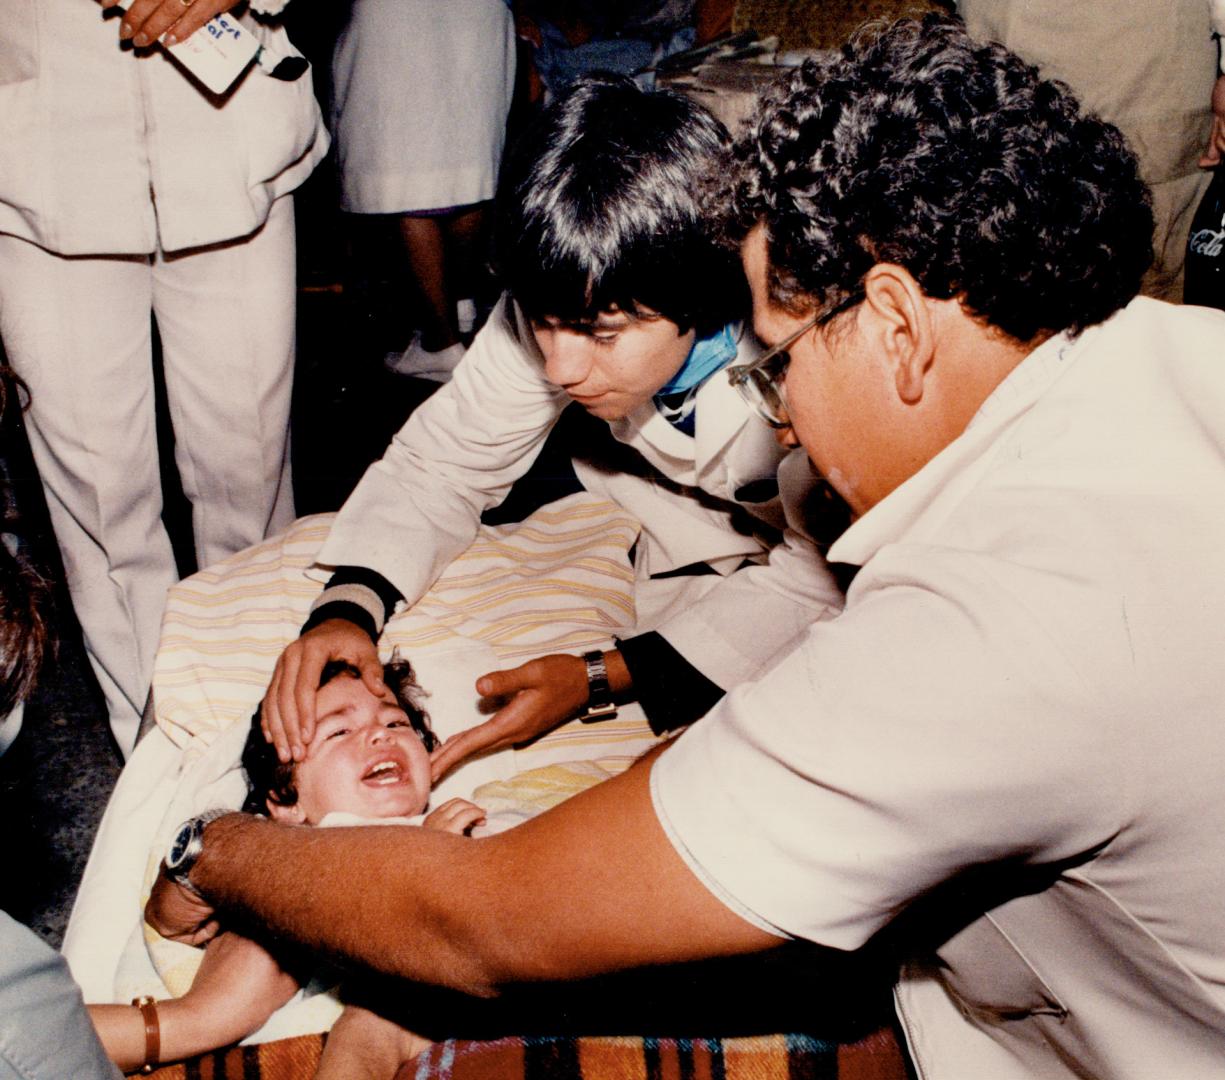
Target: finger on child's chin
{"points": [[441, 762], [452, 752]]}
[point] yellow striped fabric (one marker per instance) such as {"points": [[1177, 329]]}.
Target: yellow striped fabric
{"points": [[561, 581]]}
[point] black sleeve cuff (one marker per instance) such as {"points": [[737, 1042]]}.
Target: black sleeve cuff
{"points": [[342, 609], [371, 579], [387, 594], [671, 691]]}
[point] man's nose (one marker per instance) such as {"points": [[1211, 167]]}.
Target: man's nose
{"points": [[567, 357], [378, 733]]}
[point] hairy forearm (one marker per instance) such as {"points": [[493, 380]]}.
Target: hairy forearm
{"points": [[356, 894], [591, 886]]}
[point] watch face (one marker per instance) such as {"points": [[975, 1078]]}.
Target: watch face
{"points": [[178, 849]]}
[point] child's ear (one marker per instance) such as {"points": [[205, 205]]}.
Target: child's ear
{"points": [[286, 815]]}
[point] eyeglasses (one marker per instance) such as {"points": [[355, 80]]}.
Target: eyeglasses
{"points": [[761, 382]]}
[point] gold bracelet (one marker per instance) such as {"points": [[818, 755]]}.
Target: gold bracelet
{"points": [[153, 1033]]}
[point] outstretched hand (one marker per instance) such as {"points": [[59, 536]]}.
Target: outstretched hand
{"points": [[146, 21], [538, 696], [287, 713]]}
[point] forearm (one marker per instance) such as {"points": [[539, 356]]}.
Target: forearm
{"points": [[419, 506], [184, 1031], [591, 886]]}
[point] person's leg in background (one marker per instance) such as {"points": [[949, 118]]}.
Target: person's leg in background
{"points": [[425, 249], [77, 330], [470, 278], [443, 252], [226, 318]]}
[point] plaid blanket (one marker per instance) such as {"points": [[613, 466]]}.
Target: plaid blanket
{"points": [[877, 1056]]}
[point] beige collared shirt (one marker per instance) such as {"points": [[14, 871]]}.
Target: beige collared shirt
{"points": [[1013, 731]]}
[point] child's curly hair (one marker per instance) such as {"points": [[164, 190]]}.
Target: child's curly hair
{"points": [[269, 778]]}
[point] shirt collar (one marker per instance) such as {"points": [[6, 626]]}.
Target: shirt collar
{"points": [[900, 511]]}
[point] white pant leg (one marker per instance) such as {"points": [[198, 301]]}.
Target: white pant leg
{"points": [[77, 331], [226, 319]]}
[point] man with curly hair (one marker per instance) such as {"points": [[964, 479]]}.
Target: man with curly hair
{"points": [[1004, 756]]}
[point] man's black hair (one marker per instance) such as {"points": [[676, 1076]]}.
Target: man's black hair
{"points": [[269, 778], [600, 206], [955, 159]]}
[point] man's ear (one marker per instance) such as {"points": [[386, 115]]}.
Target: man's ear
{"points": [[285, 815], [904, 334]]}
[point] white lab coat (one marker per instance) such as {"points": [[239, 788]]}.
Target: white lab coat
{"points": [[419, 507]]}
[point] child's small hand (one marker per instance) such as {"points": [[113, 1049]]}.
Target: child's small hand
{"points": [[456, 816]]}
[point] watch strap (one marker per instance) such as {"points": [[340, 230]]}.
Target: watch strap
{"points": [[600, 704]]}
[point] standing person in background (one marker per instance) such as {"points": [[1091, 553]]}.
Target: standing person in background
{"points": [[421, 95], [129, 191], [1150, 67]]}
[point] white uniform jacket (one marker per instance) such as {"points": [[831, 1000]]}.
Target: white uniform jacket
{"points": [[104, 152], [459, 453]]}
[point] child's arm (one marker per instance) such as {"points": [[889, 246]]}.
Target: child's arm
{"points": [[455, 816], [237, 987], [364, 1046]]}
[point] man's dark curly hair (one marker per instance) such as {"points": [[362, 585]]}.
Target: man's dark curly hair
{"points": [[916, 145], [269, 778]]}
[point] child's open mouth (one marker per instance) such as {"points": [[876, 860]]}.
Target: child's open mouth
{"points": [[384, 773]]}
